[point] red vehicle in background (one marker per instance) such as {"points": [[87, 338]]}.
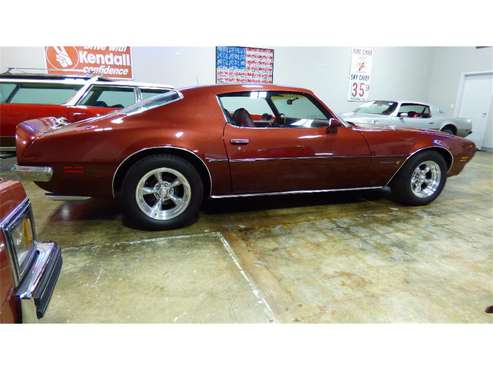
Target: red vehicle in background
{"points": [[25, 96], [29, 269]]}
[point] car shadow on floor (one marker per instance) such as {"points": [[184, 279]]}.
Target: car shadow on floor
{"points": [[99, 209], [90, 210], [247, 204]]}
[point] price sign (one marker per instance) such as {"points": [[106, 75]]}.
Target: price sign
{"points": [[360, 74]]}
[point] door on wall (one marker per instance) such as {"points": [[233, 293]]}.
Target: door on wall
{"points": [[476, 97]]}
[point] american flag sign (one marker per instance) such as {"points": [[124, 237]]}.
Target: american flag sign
{"points": [[236, 64]]}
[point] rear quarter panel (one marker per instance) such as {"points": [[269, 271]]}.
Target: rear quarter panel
{"points": [[85, 155], [13, 114]]}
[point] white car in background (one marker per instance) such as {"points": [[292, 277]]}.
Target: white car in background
{"points": [[407, 114]]}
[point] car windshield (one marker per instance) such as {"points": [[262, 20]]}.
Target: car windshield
{"points": [[150, 103], [377, 107]]}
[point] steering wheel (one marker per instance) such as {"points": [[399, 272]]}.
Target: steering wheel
{"points": [[282, 117], [269, 118]]}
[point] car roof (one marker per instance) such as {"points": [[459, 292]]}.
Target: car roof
{"points": [[76, 79], [231, 88], [403, 101], [133, 83]]}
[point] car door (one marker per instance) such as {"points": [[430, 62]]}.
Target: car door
{"points": [[287, 146], [415, 115]]}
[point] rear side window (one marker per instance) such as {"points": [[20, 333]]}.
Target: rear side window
{"points": [[109, 96], [149, 93], [38, 93], [151, 103], [5, 91]]}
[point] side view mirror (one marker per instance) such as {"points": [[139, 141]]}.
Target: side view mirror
{"points": [[334, 124], [403, 115]]}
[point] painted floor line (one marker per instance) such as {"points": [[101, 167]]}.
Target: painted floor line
{"points": [[161, 238], [253, 287], [231, 253]]}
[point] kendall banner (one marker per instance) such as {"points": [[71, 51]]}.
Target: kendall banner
{"points": [[105, 61]]}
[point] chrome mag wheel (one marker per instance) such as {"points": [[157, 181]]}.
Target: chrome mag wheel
{"points": [[163, 193], [425, 179]]}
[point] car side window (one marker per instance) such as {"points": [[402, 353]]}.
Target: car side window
{"points": [[414, 110], [297, 106], [272, 109], [109, 96], [5, 91], [149, 93], [39, 93]]}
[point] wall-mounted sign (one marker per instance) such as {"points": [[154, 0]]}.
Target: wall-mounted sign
{"points": [[360, 75], [240, 65], [105, 61]]}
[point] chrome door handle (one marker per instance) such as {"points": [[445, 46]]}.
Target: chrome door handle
{"points": [[79, 114], [239, 141]]}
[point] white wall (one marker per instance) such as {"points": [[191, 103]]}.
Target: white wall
{"points": [[178, 66], [398, 73], [448, 64], [22, 57], [418, 73]]}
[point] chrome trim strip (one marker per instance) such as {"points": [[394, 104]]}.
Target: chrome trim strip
{"points": [[158, 147], [36, 288], [244, 195], [417, 151], [7, 148], [33, 173], [11, 216], [64, 198], [6, 227], [71, 81], [216, 160], [300, 158]]}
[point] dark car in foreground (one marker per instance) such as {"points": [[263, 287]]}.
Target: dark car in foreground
{"points": [[160, 158], [29, 269]]}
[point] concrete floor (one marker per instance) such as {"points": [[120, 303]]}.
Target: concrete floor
{"points": [[333, 258]]}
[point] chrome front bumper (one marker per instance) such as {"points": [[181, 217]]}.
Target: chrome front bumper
{"points": [[33, 173], [36, 288]]}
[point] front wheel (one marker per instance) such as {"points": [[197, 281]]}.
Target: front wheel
{"points": [[421, 180], [161, 192]]}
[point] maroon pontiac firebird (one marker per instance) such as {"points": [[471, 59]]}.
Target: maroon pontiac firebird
{"points": [[162, 156]]}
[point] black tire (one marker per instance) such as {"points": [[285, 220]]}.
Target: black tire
{"points": [[139, 170], [401, 187], [449, 130]]}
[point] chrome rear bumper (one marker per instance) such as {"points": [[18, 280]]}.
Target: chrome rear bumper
{"points": [[33, 173], [36, 288]]}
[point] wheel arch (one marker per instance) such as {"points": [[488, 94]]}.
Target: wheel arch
{"points": [[447, 155], [187, 154], [450, 125]]}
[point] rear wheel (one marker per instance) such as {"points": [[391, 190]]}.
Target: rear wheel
{"points": [[421, 179], [161, 192]]}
